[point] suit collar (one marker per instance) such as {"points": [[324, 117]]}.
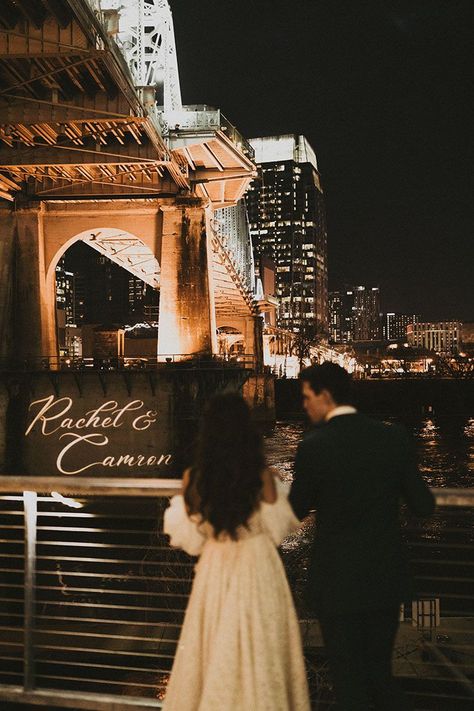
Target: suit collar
{"points": [[341, 410]]}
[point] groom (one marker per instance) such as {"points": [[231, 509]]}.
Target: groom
{"points": [[353, 471]]}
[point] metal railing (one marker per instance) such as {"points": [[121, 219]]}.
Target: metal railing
{"points": [[92, 597], [186, 361]]}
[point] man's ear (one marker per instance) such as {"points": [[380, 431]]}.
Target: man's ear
{"points": [[328, 398]]}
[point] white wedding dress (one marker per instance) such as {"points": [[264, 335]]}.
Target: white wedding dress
{"points": [[240, 646]]}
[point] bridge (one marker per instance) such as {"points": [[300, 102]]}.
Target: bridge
{"points": [[96, 145]]}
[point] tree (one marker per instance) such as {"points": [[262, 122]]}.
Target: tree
{"points": [[455, 366], [309, 334]]}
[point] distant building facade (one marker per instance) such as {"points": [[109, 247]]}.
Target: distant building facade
{"points": [[354, 314], [395, 326], [341, 316], [367, 317], [439, 336], [288, 225]]}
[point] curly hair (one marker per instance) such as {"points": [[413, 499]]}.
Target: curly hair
{"points": [[225, 482]]}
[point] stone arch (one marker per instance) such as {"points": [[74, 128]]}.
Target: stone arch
{"points": [[231, 340], [120, 246]]}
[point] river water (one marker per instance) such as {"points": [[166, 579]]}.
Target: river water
{"points": [[445, 446], [441, 547]]}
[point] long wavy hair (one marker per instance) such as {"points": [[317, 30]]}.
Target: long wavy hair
{"points": [[225, 482]]}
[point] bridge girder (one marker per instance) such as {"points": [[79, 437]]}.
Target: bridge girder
{"points": [[74, 126]]}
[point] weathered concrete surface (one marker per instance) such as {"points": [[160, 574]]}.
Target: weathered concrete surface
{"points": [[7, 256], [187, 323], [27, 306]]}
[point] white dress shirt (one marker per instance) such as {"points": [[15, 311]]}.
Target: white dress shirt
{"points": [[341, 410]]}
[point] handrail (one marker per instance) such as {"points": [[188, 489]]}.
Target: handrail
{"points": [[88, 486], [114, 486], [191, 361]]}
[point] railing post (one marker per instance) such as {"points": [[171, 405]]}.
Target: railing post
{"points": [[30, 499]]}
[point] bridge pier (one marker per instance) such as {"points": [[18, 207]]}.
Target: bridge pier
{"points": [[7, 247], [29, 308], [187, 322]]}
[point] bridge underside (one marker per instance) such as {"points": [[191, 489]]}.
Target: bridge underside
{"points": [[74, 129]]}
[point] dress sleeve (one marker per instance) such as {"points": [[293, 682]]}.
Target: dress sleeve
{"points": [[279, 518], [183, 530]]}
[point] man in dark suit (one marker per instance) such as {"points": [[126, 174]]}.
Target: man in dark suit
{"points": [[353, 471]]}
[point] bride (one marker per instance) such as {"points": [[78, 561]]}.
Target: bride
{"points": [[240, 645]]}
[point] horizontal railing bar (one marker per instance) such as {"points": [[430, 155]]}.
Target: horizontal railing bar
{"points": [[77, 701], [111, 591], [85, 544], [146, 670], [108, 606], [76, 514], [70, 633], [89, 529], [159, 487], [115, 561], [113, 652], [125, 578], [91, 487], [104, 620], [86, 680]]}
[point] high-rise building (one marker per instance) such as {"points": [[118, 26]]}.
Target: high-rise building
{"points": [[341, 315], [143, 300], [354, 314], [65, 303], [65, 290], [288, 225], [440, 336], [395, 326], [367, 324]]}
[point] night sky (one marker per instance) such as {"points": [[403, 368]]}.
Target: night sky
{"points": [[380, 88]]}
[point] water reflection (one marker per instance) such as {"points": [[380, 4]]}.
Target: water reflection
{"points": [[445, 447]]}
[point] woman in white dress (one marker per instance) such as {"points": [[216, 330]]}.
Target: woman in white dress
{"points": [[240, 647]]}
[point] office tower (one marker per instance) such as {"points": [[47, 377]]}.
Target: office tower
{"points": [[143, 300], [288, 225], [65, 302], [341, 315], [367, 323], [395, 326], [65, 290]]}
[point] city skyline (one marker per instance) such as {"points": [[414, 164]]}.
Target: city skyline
{"points": [[379, 93]]}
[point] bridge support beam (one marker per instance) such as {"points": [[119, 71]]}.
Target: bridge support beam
{"points": [[7, 249], [187, 323], [31, 321]]}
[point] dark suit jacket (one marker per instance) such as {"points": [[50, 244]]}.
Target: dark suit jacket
{"points": [[354, 471]]}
